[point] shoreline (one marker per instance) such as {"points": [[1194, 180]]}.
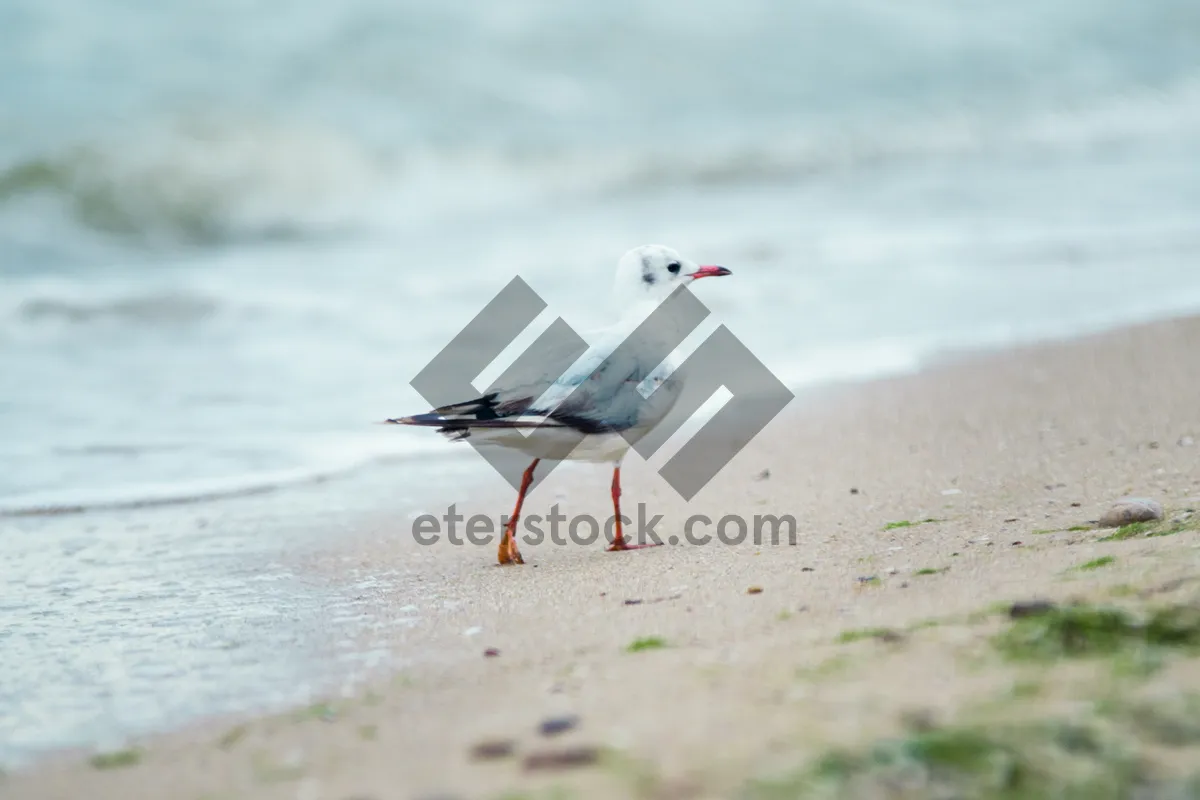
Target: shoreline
{"points": [[920, 497], [201, 492]]}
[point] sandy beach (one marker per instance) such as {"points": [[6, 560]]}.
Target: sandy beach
{"points": [[926, 506]]}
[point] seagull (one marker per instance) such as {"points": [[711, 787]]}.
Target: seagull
{"points": [[609, 398]]}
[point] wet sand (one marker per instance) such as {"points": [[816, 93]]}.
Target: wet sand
{"points": [[1009, 455]]}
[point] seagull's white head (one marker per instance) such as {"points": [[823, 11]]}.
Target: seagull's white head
{"points": [[651, 272]]}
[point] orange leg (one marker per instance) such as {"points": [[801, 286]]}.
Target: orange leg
{"points": [[509, 554], [619, 542]]}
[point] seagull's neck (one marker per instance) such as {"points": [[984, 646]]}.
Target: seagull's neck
{"points": [[636, 312]]}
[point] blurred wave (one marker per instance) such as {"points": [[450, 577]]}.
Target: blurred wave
{"points": [[220, 184], [151, 309], [333, 461], [201, 184], [188, 125]]}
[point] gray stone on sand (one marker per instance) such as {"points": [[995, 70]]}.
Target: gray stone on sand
{"points": [[492, 749], [1128, 510], [553, 726]]}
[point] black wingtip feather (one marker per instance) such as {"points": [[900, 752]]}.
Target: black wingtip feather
{"points": [[418, 419]]}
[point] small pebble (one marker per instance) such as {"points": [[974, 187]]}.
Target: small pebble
{"points": [[754, 590], [1016, 544], [949, 492], [491, 652], [633, 602], [1128, 510], [807, 569], [493, 749], [853, 490], [1186, 441], [762, 476], [553, 726], [1030, 608], [562, 759]]}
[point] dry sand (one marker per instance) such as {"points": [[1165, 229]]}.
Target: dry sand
{"points": [[1006, 451]]}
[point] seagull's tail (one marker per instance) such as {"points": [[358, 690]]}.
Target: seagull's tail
{"points": [[482, 412], [458, 423], [457, 420], [425, 420], [448, 427]]}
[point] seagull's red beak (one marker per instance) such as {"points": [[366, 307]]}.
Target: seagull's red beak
{"points": [[709, 272]]}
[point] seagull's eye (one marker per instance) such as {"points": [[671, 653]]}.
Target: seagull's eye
{"points": [[673, 267]]}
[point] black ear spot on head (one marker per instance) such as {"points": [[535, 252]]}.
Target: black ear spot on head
{"points": [[648, 271]]}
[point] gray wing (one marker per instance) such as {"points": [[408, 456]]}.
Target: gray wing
{"points": [[607, 393], [597, 393]]}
